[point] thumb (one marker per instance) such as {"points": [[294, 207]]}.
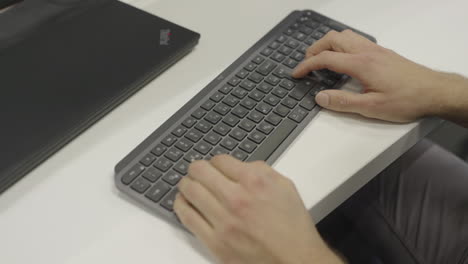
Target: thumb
{"points": [[343, 101]]}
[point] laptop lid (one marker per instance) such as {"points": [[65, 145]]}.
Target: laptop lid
{"points": [[66, 63]]}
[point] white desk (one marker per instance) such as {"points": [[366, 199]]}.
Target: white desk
{"points": [[68, 210]]}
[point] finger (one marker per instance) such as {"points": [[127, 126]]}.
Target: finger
{"points": [[229, 166], [349, 64], [192, 220], [346, 41], [203, 200], [344, 101], [212, 179]]}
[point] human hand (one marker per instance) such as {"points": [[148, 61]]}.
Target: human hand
{"points": [[248, 213], [395, 89]]}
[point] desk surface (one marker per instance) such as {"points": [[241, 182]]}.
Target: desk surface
{"points": [[68, 210]]}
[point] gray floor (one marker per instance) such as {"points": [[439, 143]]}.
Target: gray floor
{"points": [[453, 138]]}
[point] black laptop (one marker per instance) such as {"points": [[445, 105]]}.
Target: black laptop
{"points": [[66, 63]]}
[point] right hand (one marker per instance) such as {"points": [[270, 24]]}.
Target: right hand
{"points": [[395, 89]]}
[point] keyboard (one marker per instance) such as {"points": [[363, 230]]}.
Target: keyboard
{"points": [[253, 111]]}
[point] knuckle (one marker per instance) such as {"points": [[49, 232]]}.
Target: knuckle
{"points": [[348, 31], [230, 229], [239, 205]]}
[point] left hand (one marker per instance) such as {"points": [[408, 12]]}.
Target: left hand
{"points": [[248, 213]]}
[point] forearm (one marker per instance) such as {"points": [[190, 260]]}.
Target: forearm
{"points": [[453, 104]]}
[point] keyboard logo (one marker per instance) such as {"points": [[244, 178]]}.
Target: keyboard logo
{"points": [[164, 37]]}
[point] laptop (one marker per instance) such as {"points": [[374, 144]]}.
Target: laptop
{"points": [[64, 64]]}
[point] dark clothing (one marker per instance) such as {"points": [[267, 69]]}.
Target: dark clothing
{"points": [[416, 210]]}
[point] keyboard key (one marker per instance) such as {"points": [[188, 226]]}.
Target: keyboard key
{"points": [[308, 102], [194, 135], [213, 117], [285, 50], [163, 164], [217, 97], [255, 116], [266, 67], [238, 134], [248, 103], [148, 159], [169, 140], [274, 140], [229, 143], [257, 95], [317, 35], [282, 110], [239, 93], [272, 100], [242, 74], [247, 125], [203, 126], [299, 92], [298, 114], [152, 174], [265, 87], [265, 127], [173, 154], [199, 113], [280, 92], [225, 89], [239, 154], [309, 41], [302, 49], [267, 52], [181, 167], [287, 84], [248, 85], [258, 59], [299, 36], [158, 150], [172, 177], [184, 144], [255, 77], [263, 108], [298, 56], [189, 122], [203, 147], [281, 39], [208, 104], [240, 111], [271, 79], [292, 43], [324, 29], [233, 82], [290, 63], [156, 192], [231, 120], [212, 138], [273, 119], [278, 57], [219, 151], [306, 30], [281, 73], [168, 201], [141, 185], [257, 136], [130, 175], [222, 108], [193, 155], [248, 146], [289, 31], [179, 131], [222, 129], [274, 45], [289, 102], [250, 66], [312, 24]]}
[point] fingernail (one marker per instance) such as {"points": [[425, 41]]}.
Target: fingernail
{"points": [[322, 99]]}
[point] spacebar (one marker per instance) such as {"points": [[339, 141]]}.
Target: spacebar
{"points": [[273, 141]]}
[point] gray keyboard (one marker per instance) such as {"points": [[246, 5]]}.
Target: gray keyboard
{"points": [[252, 111]]}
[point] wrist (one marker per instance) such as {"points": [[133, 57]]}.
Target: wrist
{"points": [[451, 97]]}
